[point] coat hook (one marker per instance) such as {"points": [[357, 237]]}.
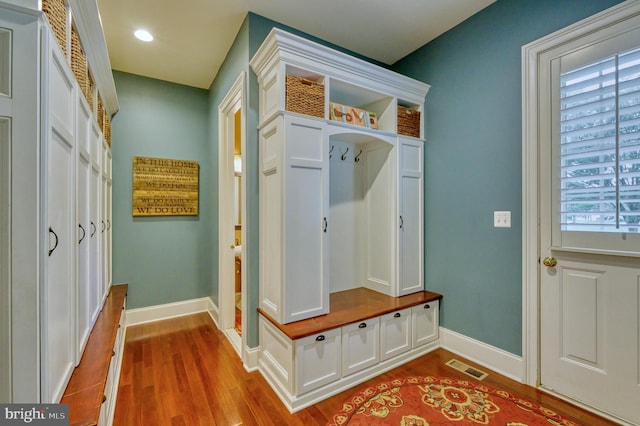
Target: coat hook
{"points": [[330, 151], [357, 159], [344, 155]]}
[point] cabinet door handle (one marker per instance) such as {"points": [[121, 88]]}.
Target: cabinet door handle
{"points": [[320, 338], [108, 224], [94, 229], [51, 231], [427, 306], [103, 227], [84, 233], [397, 315], [363, 325], [325, 224], [401, 222]]}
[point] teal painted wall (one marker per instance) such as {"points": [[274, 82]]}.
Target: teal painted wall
{"points": [[249, 38], [473, 161], [164, 259]]}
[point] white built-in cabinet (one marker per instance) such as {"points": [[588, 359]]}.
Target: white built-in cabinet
{"points": [[58, 167], [341, 206]]}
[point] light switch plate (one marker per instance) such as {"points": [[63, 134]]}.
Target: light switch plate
{"points": [[502, 219]]}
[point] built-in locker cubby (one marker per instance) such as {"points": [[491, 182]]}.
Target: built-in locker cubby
{"points": [[360, 211], [53, 193], [333, 196]]}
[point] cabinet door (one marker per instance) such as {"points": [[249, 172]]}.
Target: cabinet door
{"points": [[306, 221], [59, 307], [360, 345], [318, 360], [410, 233], [395, 333], [83, 301], [94, 225], [424, 323]]}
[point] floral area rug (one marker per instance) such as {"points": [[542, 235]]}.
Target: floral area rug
{"points": [[431, 401]]}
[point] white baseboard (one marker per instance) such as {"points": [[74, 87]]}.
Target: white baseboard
{"points": [[214, 314], [169, 310], [251, 358], [498, 360]]}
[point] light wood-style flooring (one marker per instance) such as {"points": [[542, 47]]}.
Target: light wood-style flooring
{"points": [[183, 371]]}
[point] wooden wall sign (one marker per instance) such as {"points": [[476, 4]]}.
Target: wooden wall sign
{"points": [[164, 187]]}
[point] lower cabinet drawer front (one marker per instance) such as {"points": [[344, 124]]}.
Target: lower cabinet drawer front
{"points": [[395, 333], [360, 345], [318, 360], [424, 325]]}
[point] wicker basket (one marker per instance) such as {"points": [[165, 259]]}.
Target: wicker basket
{"points": [[100, 114], [107, 128], [408, 122], [56, 13], [304, 96], [90, 88], [79, 63]]}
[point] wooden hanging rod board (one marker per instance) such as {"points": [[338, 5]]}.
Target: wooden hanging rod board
{"points": [[165, 187]]}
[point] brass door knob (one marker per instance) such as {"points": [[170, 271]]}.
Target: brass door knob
{"points": [[550, 262]]}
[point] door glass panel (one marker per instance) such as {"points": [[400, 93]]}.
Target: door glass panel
{"points": [[597, 148], [5, 62]]}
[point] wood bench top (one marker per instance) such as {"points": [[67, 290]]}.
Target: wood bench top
{"points": [[85, 390], [349, 306]]}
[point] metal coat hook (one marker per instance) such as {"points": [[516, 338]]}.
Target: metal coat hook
{"points": [[357, 159], [330, 151], [344, 155]]}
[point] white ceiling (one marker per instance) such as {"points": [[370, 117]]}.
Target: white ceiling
{"points": [[192, 37]]}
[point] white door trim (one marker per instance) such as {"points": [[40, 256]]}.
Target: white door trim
{"points": [[531, 66], [235, 99]]}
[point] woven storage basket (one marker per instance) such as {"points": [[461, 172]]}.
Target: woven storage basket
{"points": [[100, 114], [107, 128], [79, 62], [56, 13], [90, 87], [408, 122], [304, 96]]}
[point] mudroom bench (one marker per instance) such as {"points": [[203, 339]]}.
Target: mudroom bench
{"points": [[365, 334]]}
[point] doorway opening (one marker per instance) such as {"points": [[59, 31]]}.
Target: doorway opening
{"points": [[232, 216]]}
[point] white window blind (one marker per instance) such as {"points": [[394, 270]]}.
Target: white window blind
{"points": [[600, 145]]}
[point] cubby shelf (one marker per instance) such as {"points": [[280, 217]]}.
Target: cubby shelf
{"points": [[346, 80]]}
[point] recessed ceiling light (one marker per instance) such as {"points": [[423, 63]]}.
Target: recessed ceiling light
{"points": [[143, 35]]}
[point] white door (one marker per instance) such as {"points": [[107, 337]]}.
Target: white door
{"points": [[84, 118], [411, 217], [306, 219], [590, 223], [59, 306], [94, 221]]}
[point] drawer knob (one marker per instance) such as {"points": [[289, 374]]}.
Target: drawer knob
{"points": [[363, 325], [427, 306], [397, 315], [113, 353], [320, 338]]}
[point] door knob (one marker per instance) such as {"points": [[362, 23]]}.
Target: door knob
{"points": [[550, 261]]}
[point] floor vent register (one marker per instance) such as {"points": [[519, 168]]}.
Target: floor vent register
{"points": [[466, 369]]}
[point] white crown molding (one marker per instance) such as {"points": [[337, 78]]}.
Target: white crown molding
{"points": [[298, 51], [86, 18]]}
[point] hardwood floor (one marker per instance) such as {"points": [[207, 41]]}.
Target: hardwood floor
{"points": [[183, 371]]}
